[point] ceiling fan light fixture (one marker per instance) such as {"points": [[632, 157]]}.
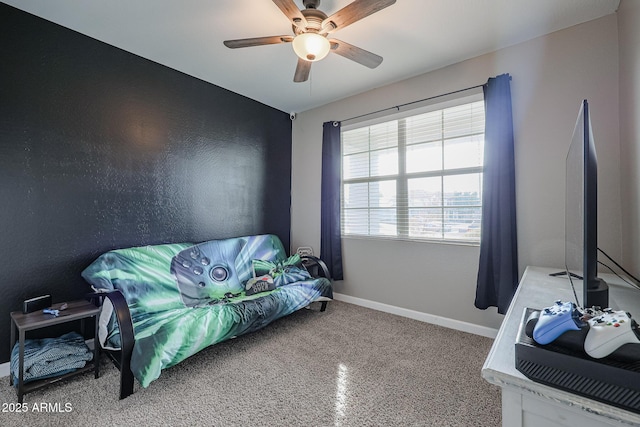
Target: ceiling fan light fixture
{"points": [[311, 46]]}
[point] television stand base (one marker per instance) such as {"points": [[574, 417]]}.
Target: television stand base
{"points": [[597, 294]]}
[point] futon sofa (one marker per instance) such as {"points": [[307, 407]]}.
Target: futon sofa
{"points": [[164, 303]]}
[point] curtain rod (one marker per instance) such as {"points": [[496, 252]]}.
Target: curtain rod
{"points": [[397, 107]]}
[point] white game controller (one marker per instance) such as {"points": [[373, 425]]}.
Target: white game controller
{"points": [[610, 331]]}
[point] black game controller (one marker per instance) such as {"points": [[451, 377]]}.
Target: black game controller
{"points": [[206, 271]]}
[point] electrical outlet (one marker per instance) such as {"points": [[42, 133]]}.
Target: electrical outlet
{"points": [[305, 250]]}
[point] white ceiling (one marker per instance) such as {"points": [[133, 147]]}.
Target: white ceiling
{"points": [[413, 36]]}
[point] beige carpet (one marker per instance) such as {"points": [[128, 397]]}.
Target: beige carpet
{"points": [[348, 366]]}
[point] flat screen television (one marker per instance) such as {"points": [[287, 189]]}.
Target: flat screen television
{"points": [[581, 213]]}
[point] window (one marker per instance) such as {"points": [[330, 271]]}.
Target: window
{"points": [[416, 177]]}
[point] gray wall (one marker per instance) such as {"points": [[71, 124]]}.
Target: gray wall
{"points": [[629, 39], [551, 75]]}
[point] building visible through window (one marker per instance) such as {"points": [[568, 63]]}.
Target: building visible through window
{"points": [[417, 177]]}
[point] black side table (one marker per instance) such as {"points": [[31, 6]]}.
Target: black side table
{"points": [[76, 310]]}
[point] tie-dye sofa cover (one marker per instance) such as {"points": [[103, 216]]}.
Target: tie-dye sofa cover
{"points": [[184, 297]]}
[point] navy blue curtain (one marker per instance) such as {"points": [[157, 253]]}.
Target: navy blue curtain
{"points": [[330, 239], [498, 267]]}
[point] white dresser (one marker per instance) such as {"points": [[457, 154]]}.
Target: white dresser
{"points": [[527, 403]]}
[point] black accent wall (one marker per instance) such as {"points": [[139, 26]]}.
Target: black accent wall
{"points": [[102, 149]]}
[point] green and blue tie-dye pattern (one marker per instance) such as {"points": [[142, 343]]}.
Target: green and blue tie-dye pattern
{"points": [[184, 332], [141, 274], [169, 326]]}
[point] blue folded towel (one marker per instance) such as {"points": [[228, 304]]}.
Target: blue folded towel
{"points": [[49, 357]]}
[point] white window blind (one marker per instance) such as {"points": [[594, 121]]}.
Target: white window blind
{"points": [[417, 177]]}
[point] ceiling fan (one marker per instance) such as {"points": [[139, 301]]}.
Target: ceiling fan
{"points": [[311, 28]]}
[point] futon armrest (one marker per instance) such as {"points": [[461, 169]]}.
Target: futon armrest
{"points": [[312, 261], [123, 315], [127, 339]]}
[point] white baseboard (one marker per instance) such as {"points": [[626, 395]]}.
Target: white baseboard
{"points": [[418, 315], [404, 312], [4, 370]]}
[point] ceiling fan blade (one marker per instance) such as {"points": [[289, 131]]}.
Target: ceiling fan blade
{"points": [[289, 8], [355, 53], [257, 41], [302, 71], [353, 12]]}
